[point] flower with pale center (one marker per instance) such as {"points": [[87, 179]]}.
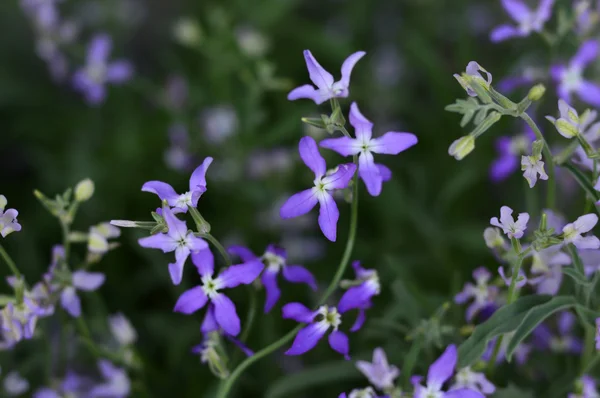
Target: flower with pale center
{"points": [[527, 20], [8, 218], [508, 224], [570, 77], [572, 233], [379, 372], [531, 167]]}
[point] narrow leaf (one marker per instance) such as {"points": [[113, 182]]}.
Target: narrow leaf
{"points": [[410, 360], [576, 275], [588, 315]]}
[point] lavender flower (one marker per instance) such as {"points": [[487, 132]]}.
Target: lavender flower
{"points": [[570, 77], [362, 289], [92, 78], [483, 294], [71, 385], [17, 321], [587, 18], [569, 124], [439, 372], [98, 237], [209, 291], [275, 259], [326, 87], [466, 378], [81, 280], [586, 388], [379, 372], [219, 123], [180, 202], [14, 384], [546, 267], [325, 182], [572, 232], [521, 353], [532, 165], [122, 329], [473, 72], [8, 219], [528, 21], [508, 224], [509, 151], [362, 393], [521, 278], [178, 239], [116, 385], [391, 143], [565, 341]]}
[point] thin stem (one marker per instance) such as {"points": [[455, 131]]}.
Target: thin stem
{"points": [[251, 314], [219, 247], [551, 193], [9, 261], [228, 383]]}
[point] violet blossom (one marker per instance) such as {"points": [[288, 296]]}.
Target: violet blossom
{"points": [[483, 294], [81, 280], [92, 78], [178, 239], [508, 224], [565, 341], [116, 385], [469, 379], [586, 388], [528, 20], [14, 384], [71, 385], [362, 289], [275, 260], [572, 232], [122, 329], [532, 165], [510, 149], [391, 143], [521, 353], [324, 182], [570, 77], [379, 372], [326, 87], [8, 218], [546, 269], [209, 291]]}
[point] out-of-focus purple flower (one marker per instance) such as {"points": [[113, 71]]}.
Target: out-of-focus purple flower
{"points": [[14, 384], [72, 385], [180, 202], [467, 378], [528, 20], [325, 182], [587, 17], [521, 278], [524, 78], [218, 123], [597, 334], [326, 87], [361, 290], [176, 93], [251, 41], [482, 293], [564, 342], [572, 232], [17, 321], [379, 372], [81, 280], [178, 239], [209, 291], [510, 149], [122, 329], [521, 353], [177, 155], [8, 218], [275, 260], [586, 388], [92, 78], [508, 224], [391, 143], [570, 77], [590, 260], [264, 163], [116, 385], [439, 373], [546, 269], [367, 392], [570, 124]]}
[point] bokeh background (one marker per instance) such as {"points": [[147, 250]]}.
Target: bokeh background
{"points": [[211, 79]]}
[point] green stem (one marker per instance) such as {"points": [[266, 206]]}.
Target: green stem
{"points": [[228, 383], [551, 193], [219, 247], [251, 314], [9, 261]]}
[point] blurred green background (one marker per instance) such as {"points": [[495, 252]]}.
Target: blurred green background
{"points": [[423, 234]]}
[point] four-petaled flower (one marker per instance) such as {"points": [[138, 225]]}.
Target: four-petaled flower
{"points": [[325, 182], [8, 218], [508, 224], [586, 388], [467, 378], [81, 280], [572, 232], [92, 78], [275, 260], [482, 293], [531, 167], [570, 78], [379, 372], [326, 87], [178, 239], [391, 143], [564, 342], [180, 202], [509, 149], [196, 298], [546, 267], [528, 20], [570, 124]]}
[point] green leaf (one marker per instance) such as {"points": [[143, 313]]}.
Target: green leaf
{"points": [[410, 306], [584, 182], [576, 260], [511, 392], [410, 360], [504, 320], [576, 275], [588, 315], [536, 316]]}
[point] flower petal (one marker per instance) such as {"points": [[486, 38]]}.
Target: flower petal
{"points": [[209, 324], [119, 72], [589, 92], [339, 342], [361, 124], [204, 261], [269, 281], [177, 227], [328, 216], [241, 274], [226, 315], [441, 370], [517, 10], [191, 300], [359, 322], [299, 274], [159, 241], [306, 91], [319, 76], [242, 252], [345, 146], [585, 223], [384, 172], [503, 32], [348, 65], [392, 143], [70, 301], [162, 189], [587, 242], [587, 52], [299, 204], [99, 49], [341, 178], [307, 338], [355, 297], [298, 312], [309, 152], [88, 281], [198, 179], [463, 393], [369, 173]]}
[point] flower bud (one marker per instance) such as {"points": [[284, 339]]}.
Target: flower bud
{"points": [[493, 238], [566, 129], [462, 147], [536, 92], [84, 190], [187, 32]]}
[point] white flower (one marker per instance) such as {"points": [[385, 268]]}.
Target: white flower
{"points": [[379, 373], [532, 166], [122, 329], [508, 224], [15, 385], [572, 232], [467, 378]]}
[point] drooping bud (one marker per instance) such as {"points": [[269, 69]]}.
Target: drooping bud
{"points": [[536, 92], [462, 147], [84, 190]]}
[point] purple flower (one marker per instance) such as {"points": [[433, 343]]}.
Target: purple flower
{"points": [[326, 87], [521, 278], [570, 77], [8, 218], [597, 334], [122, 329], [116, 385], [15, 384], [546, 267], [521, 353], [391, 143], [508, 224], [17, 322], [586, 17], [92, 78], [325, 182], [586, 388], [209, 291], [510, 150], [528, 21], [360, 293], [440, 372], [572, 232], [81, 280], [565, 341], [178, 202], [275, 259], [176, 93], [483, 295], [72, 385], [467, 378], [178, 239], [379, 372]]}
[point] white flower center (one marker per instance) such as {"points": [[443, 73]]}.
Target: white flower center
{"points": [[97, 72], [211, 286], [433, 392], [570, 233], [338, 88], [273, 262], [184, 200], [572, 78], [519, 145], [331, 316]]}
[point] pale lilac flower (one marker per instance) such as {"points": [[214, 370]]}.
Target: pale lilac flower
{"points": [[482, 293], [178, 239], [325, 182], [219, 123], [17, 322], [521, 353], [99, 235], [209, 291], [326, 87], [8, 218], [180, 202], [531, 167], [474, 70], [570, 77], [209, 326], [92, 78], [379, 372], [391, 143], [509, 150], [367, 392], [572, 232], [467, 378], [570, 124], [521, 278], [528, 20], [275, 260], [508, 224], [546, 269], [122, 329], [116, 385], [587, 18], [177, 156], [439, 373], [81, 280], [590, 260], [565, 341], [586, 388], [14, 384]]}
